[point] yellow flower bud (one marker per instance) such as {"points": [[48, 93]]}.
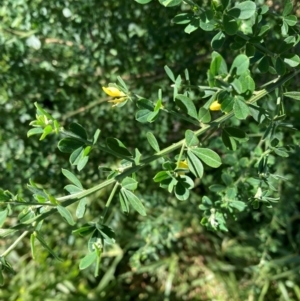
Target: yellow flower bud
{"points": [[215, 106], [116, 101], [183, 165], [113, 92]]}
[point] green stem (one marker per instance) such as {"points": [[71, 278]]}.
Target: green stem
{"points": [[258, 46], [112, 194], [27, 203], [180, 154], [14, 244], [73, 198]]}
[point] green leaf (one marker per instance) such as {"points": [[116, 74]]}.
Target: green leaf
{"points": [[194, 25], [237, 45], [246, 83], [1, 278], [263, 65], [169, 73], [194, 164], [84, 230], [72, 189], [240, 206], [225, 3], [182, 188], [117, 147], [191, 139], [240, 109], [217, 188], [44, 244], [143, 1], [187, 105], [88, 259], [290, 20], [288, 7], [204, 115], [207, 21], [218, 40], [284, 28], [120, 80], [32, 245], [95, 240], [124, 203], [208, 156], [237, 86], [82, 163], [65, 213], [76, 155], [152, 141], [3, 215], [25, 215], [182, 18], [292, 94], [41, 111], [142, 115], [72, 178], [78, 129], [221, 63], [227, 179], [178, 82], [264, 29], [280, 66], [246, 9], [291, 60], [240, 65], [68, 145], [227, 104], [230, 25], [263, 9], [250, 50], [137, 156], [286, 44], [152, 116], [235, 133], [134, 201], [80, 210], [228, 141], [129, 183], [96, 136], [169, 3], [215, 65], [281, 151], [161, 176], [34, 131], [47, 130]]}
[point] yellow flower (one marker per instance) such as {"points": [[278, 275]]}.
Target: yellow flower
{"points": [[215, 106], [117, 101], [113, 92], [183, 165]]}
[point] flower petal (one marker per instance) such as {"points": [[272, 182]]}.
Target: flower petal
{"points": [[117, 101], [183, 164], [113, 92], [215, 106]]}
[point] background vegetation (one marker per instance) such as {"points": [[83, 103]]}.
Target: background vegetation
{"points": [[59, 54]]}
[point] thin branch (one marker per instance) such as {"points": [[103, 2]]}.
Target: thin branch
{"points": [[14, 244]]}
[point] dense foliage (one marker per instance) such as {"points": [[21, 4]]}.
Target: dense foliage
{"points": [[178, 180]]}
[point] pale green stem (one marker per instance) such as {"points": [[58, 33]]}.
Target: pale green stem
{"points": [[112, 194], [70, 199], [180, 154], [26, 203], [5, 253]]}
